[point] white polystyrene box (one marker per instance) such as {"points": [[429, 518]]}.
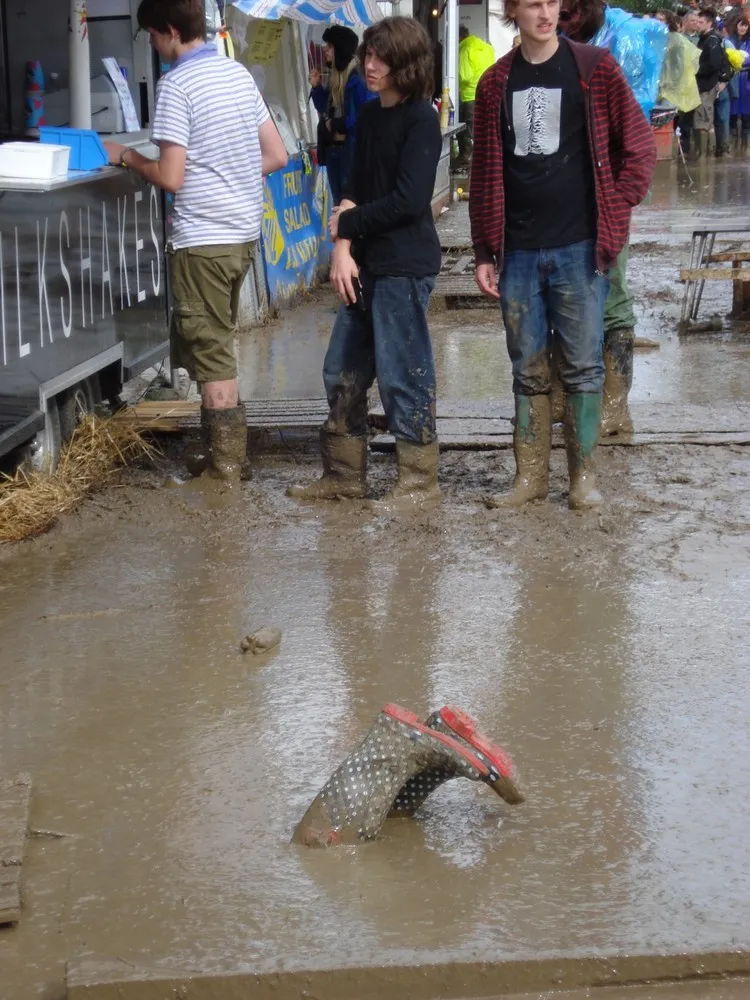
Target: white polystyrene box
{"points": [[33, 160]]}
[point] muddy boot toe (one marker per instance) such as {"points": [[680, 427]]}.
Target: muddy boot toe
{"points": [[344, 470]]}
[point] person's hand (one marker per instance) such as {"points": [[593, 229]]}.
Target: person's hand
{"points": [[344, 272], [315, 78], [486, 279], [114, 152], [333, 222], [722, 88]]}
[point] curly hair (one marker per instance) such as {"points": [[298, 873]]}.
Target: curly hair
{"points": [[405, 47]]}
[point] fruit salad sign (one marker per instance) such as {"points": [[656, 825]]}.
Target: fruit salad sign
{"points": [[296, 244]]}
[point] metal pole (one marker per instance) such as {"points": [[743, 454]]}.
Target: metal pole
{"points": [[79, 66], [451, 52]]}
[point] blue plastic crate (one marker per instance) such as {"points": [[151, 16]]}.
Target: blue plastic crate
{"points": [[86, 149]]}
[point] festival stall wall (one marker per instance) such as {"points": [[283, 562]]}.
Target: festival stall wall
{"points": [[272, 40]]}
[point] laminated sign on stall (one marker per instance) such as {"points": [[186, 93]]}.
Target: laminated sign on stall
{"points": [[295, 228]]}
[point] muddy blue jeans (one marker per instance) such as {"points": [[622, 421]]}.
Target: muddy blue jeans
{"points": [[385, 337], [559, 290]]}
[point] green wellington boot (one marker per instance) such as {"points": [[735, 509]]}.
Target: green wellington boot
{"points": [[618, 381], [583, 414], [344, 469], [532, 441]]}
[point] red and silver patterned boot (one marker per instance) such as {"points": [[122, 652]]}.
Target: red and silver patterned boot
{"points": [[502, 777], [356, 801]]}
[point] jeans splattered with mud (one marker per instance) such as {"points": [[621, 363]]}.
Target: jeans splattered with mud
{"points": [[386, 337], [556, 289]]}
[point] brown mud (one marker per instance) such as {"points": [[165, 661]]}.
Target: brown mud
{"points": [[607, 651]]}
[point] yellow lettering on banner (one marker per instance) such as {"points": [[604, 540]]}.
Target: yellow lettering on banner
{"points": [[297, 217], [293, 183], [273, 237], [263, 39]]}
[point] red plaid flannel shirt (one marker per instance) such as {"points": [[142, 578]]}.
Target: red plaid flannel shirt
{"points": [[623, 152]]}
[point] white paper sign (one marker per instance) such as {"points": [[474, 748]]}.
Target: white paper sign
{"points": [[126, 98], [108, 8]]}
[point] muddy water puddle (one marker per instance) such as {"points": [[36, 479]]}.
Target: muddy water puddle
{"points": [[608, 653]]}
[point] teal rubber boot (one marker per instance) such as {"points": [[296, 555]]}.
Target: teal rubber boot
{"points": [[583, 415]]}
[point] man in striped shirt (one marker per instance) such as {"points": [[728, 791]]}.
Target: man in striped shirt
{"points": [[216, 142], [551, 194]]}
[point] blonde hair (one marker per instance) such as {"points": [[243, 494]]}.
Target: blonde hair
{"points": [[337, 82]]}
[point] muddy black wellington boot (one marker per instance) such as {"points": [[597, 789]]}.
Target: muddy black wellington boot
{"points": [[417, 482], [583, 414], [618, 381], [557, 397], [557, 392], [344, 469], [227, 434], [503, 777], [532, 441], [698, 146], [355, 803], [198, 453]]}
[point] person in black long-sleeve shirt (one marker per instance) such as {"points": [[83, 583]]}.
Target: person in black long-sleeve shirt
{"points": [[709, 80], [385, 262]]}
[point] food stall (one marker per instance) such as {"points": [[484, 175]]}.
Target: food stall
{"points": [[83, 298]]}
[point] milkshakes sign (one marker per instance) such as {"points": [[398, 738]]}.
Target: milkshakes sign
{"points": [[80, 268]]}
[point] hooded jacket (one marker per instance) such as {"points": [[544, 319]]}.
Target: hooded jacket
{"points": [[474, 57], [623, 154]]}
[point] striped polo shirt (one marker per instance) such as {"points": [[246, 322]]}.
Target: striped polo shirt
{"points": [[210, 105]]}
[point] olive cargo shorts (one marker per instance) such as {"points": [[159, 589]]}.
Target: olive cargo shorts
{"points": [[206, 283]]}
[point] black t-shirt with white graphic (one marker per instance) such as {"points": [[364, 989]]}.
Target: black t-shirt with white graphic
{"points": [[547, 172]]}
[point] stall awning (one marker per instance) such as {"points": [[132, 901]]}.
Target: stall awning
{"points": [[350, 13]]}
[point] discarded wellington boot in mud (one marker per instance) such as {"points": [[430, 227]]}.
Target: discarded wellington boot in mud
{"points": [[417, 483], [262, 641], [532, 442], [355, 803], [503, 777], [344, 469], [618, 381]]}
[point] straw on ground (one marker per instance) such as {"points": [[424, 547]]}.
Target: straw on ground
{"points": [[31, 502]]}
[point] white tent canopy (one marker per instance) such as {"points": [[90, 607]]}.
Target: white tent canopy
{"points": [[350, 12]]}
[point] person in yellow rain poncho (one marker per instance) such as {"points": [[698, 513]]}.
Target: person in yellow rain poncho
{"points": [[474, 57]]}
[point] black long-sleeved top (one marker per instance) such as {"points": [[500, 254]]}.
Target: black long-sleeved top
{"points": [[711, 62], [396, 152]]}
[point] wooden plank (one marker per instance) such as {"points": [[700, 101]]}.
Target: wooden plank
{"points": [[715, 274], [717, 226], [716, 258], [15, 810], [462, 263], [504, 442]]}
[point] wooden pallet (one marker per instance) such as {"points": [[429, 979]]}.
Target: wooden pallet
{"points": [[267, 414], [15, 809], [456, 278]]}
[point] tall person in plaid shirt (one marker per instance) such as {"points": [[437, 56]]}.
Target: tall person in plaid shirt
{"points": [[562, 153]]}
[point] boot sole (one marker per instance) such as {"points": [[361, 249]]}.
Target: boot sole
{"points": [[410, 720], [466, 729]]}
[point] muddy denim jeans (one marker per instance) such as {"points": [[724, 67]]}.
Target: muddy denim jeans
{"points": [[559, 290], [618, 309], [386, 337]]}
